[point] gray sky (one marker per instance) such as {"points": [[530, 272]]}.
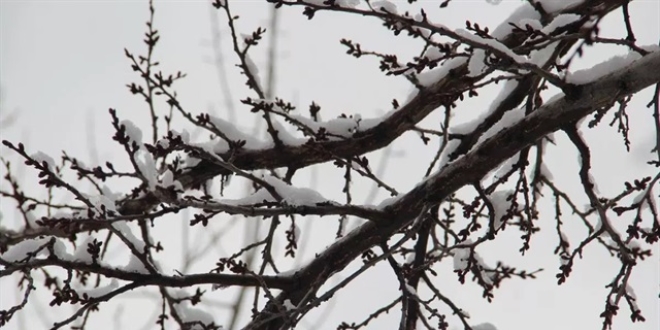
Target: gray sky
{"points": [[62, 66]]}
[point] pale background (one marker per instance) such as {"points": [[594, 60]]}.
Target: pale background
{"points": [[62, 66]]}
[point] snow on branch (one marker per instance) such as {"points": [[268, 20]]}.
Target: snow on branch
{"points": [[550, 117], [486, 177], [605, 68]]}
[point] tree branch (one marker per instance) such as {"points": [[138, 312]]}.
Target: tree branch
{"points": [[470, 168]]}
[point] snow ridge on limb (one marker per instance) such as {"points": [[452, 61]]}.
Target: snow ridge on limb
{"points": [[547, 119], [441, 93], [488, 155], [362, 142]]}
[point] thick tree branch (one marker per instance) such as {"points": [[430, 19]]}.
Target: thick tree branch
{"points": [[470, 168]]}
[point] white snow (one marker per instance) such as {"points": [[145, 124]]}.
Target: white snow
{"points": [[163, 143], [81, 254], [451, 147], [289, 305], [294, 270], [101, 200], [548, 139], [433, 53], [645, 203], [640, 197], [560, 21], [465, 313], [190, 314], [291, 195], [468, 127], [135, 265], [555, 98], [167, 180], [564, 237], [60, 250], [461, 257], [21, 250], [553, 6], [67, 215], [253, 70], [260, 196], [384, 5], [185, 136], [31, 220], [633, 245], [42, 157], [524, 12], [506, 166], [631, 292], [604, 68], [187, 312], [316, 2], [132, 131], [285, 136], [343, 127], [410, 258], [387, 202], [509, 119], [593, 181], [348, 3], [426, 33], [492, 43], [477, 64], [369, 123], [533, 23], [484, 326], [500, 205], [147, 166], [339, 128], [545, 172], [126, 231], [540, 57], [189, 162], [234, 134], [411, 289], [360, 167], [296, 233], [109, 194], [436, 253], [430, 77]]}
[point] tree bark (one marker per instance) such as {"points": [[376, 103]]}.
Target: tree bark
{"points": [[466, 170]]}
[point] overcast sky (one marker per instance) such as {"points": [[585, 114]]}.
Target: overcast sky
{"points": [[62, 65]]}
